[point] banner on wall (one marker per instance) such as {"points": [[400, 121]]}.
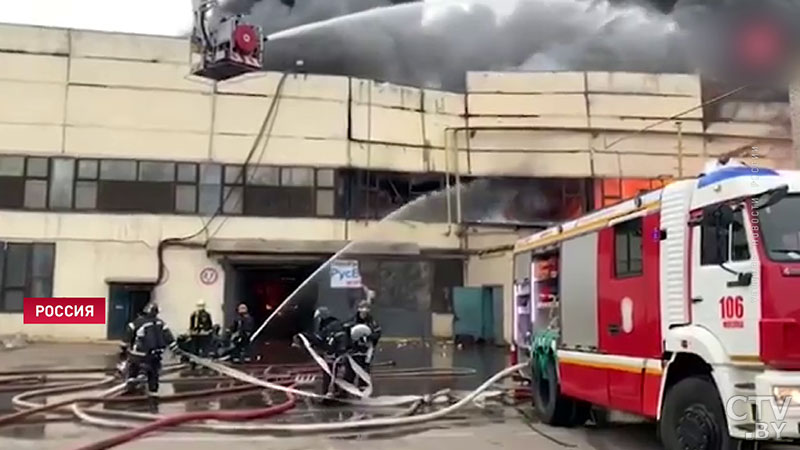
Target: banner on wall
{"points": [[345, 274]]}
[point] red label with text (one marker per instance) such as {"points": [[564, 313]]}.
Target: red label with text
{"points": [[70, 311], [732, 311]]}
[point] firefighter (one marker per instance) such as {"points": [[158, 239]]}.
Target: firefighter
{"points": [[124, 365], [151, 337], [330, 339], [363, 343], [201, 328], [241, 330]]}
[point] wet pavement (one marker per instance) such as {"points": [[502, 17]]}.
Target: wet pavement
{"points": [[495, 425]]}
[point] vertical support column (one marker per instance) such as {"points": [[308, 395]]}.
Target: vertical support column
{"points": [[794, 105]]}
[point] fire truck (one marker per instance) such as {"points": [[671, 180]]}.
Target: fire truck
{"points": [[680, 306]]}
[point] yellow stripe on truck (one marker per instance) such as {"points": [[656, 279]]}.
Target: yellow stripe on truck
{"points": [[610, 366]]}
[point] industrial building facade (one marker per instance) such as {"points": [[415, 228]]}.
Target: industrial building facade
{"points": [[108, 149]]}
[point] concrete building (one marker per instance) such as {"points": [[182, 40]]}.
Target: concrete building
{"points": [[108, 149]]}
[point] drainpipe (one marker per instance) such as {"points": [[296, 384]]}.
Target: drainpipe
{"points": [[679, 125], [457, 170], [447, 181]]}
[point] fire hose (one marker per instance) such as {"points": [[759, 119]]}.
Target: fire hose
{"points": [[228, 416], [312, 427], [404, 418]]}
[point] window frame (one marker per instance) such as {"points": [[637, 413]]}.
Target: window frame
{"points": [[86, 173], [93, 181], [630, 231], [30, 277], [728, 257], [195, 184], [39, 178]]}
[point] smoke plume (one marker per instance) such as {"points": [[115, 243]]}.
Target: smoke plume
{"points": [[433, 43]]}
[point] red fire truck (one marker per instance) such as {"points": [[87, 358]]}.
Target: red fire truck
{"points": [[681, 306]]}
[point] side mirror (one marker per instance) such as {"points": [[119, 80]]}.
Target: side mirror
{"points": [[770, 197]]}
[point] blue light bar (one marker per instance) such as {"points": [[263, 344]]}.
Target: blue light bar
{"points": [[727, 173]]}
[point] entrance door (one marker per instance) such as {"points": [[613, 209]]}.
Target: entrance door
{"points": [[468, 312], [475, 313], [125, 302], [720, 302]]}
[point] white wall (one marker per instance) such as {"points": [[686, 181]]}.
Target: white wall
{"points": [[93, 249], [182, 288], [84, 268]]}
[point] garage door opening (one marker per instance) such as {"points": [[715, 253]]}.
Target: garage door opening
{"points": [[264, 287]]}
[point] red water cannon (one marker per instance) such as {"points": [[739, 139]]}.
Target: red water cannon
{"points": [[232, 49], [228, 46]]}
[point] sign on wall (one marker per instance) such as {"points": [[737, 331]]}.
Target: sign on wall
{"points": [[345, 274], [209, 275]]}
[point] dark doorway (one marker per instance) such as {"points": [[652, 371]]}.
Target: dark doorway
{"points": [[263, 288], [125, 302]]}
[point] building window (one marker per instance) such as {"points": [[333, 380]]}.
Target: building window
{"points": [[210, 189], [628, 248], [86, 184], [26, 270], [37, 171], [12, 182], [280, 192], [233, 192], [186, 189], [164, 187], [326, 195], [62, 178]]}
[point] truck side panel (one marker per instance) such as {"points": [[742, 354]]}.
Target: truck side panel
{"points": [[628, 288], [578, 292], [628, 321], [583, 380]]}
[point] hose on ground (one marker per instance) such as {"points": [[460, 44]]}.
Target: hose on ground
{"points": [[241, 376], [227, 416], [324, 427], [31, 408], [71, 370]]}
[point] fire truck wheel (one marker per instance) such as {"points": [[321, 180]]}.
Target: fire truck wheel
{"points": [[694, 418], [552, 407]]}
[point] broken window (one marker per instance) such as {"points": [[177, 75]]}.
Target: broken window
{"points": [[375, 194]]}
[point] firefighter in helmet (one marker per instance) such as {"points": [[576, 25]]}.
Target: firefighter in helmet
{"points": [[201, 328], [330, 339], [241, 331], [365, 334], [150, 337]]}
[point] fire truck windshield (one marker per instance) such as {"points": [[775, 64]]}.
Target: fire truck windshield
{"points": [[780, 229]]}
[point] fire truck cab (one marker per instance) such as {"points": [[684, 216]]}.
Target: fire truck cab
{"points": [[681, 306]]}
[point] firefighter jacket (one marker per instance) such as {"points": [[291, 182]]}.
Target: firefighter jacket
{"points": [[243, 326], [331, 337], [130, 332], [152, 336], [200, 323]]}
